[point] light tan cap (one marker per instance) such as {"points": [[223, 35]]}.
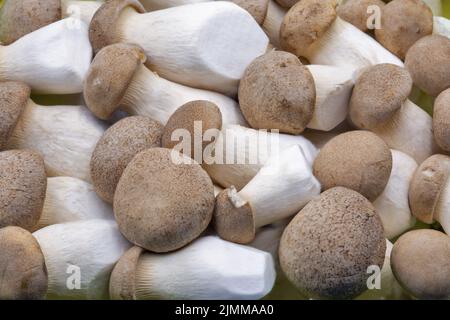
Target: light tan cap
{"points": [[103, 27], [428, 61], [109, 77], [358, 160], [441, 120], [23, 275], [420, 261], [326, 249], [117, 147], [162, 204], [379, 92], [356, 12], [426, 186], [257, 8], [278, 92], [20, 17], [287, 3]]}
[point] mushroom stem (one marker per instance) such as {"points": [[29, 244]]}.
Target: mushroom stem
{"points": [[441, 26], [435, 5], [83, 10], [442, 211], [273, 21]]}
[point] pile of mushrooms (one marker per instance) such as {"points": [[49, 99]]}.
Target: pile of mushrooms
{"points": [[224, 149]]}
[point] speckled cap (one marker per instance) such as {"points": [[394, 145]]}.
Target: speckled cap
{"points": [[162, 204], [117, 147], [20, 17], [278, 92], [441, 120], [358, 160], [122, 284], [23, 183], [426, 186], [14, 97], [379, 92], [109, 77], [420, 261], [23, 275], [326, 249], [287, 3], [355, 12], [102, 30], [257, 8]]}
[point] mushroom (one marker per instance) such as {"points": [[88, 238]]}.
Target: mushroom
{"points": [[163, 201], [393, 204], [326, 249], [65, 136], [22, 188], [209, 268], [358, 160], [358, 13], [421, 263], [201, 59], [441, 120], [257, 8], [117, 77], [286, 177], [380, 103], [117, 147], [429, 192], [61, 58], [312, 29], [403, 22], [428, 62]]}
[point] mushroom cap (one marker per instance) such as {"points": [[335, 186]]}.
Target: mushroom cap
{"points": [[420, 261], [441, 120], [428, 62], [278, 92], [18, 18], [305, 23], [23, 275], [358, 160], [23, 183], [14, 97], [379, 92], [426, 186], [326, 249], [122, 285], [257, 8], [287, 3], [162, 204], [117, 147], [355, 12], [192, 116], [403, 22], [233, 222], [109, 77], [102, 30]]}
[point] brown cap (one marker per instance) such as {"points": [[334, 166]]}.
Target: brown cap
{"points": [[378, 93], [441, 120], [117, 147], [18, 18], [23, 275], [428, 62], [278, 92], [403, 22], [287, 3], [326, 249], [23, 183], [426, 186], [358, 160], [257, 8], [305, 23], [161, 204], [122, 284], [355, 12], [14, 97], [102, 30], [420, 261], [234, 221], [109, 77]]}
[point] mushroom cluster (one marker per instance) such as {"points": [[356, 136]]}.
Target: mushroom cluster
{"points": [[237, 149]]}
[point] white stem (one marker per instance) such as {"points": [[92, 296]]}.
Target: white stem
{"points": [[84, 252], [64, 135], [153, 5], [217, 190], [442, 211], [209, 268], [155, 97], [83, 10], [205, 45], [54, 59], [273, 21], [435, 5], [268, 238], [442, 26]]}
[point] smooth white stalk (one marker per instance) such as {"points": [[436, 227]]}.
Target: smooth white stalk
{"points": [[82, 10], [273, 21], [441, 26]]}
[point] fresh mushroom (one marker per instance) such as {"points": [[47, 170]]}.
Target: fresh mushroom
{"points": [[441, 120], [286, 177], [117, 77], [421, 263], [65, 136], [358, 13], [209, 268], [198, 31]]}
